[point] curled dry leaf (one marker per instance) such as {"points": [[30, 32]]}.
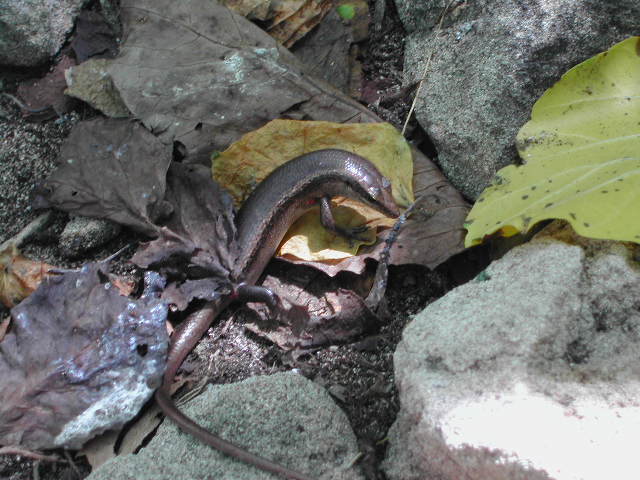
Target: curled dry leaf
{"points": [[74, 368], [318, 310], [293, 20], [199, 237], [19, 276], [287, 20], [113, 169], [93, 37]]}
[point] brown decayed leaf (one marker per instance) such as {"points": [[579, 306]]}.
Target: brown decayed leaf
{"points": [[93, 37], [72, 368], [206, 82], [319, 310], [434, 231], [328, 53], [48, 91], [4, 326], [19, 276], [113, 169], [251, 9], [199, 236], [289, 26]]}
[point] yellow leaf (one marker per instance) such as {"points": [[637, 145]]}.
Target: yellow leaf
{"points": [[247, 162], [582, 156]]}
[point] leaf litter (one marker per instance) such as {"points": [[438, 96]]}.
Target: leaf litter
{"points": [[320, 103]]}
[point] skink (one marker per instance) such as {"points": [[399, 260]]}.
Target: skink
{"points": [[287, 193]]}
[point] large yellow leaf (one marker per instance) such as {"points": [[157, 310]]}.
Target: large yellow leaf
{"points": [[581, 150], [247, 162]]}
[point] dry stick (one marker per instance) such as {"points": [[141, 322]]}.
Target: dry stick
{"points": [[381, 275], [72, 463], [426, 68], [34, 226], [15, 450]]}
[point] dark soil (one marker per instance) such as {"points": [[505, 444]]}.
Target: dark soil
{"points": [[359, 375]]}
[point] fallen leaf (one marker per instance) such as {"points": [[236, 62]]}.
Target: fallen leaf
{"points": [[47, 92], [434, 232], [319, 310], [581, 153], [101, 448], [326, 51], [113, 169], [93, 37], [307, 239], [205, 82], [291, 24], [79, 359], [19, 276], [4, 326], [200, 233], [197, 244], [135, 436], [251, 9]]}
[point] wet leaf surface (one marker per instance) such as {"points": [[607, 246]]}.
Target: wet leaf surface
{"points": [[79, 358]]}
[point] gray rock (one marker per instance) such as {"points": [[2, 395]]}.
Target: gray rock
{"points": [[283, 417], [82, 234], [32, 31], [91, 83], [492, 60], [531, 371]]}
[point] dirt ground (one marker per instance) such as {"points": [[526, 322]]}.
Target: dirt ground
{"points": [[359, 375]]}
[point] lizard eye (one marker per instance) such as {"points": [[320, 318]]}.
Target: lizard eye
{"points": [[374, 192]]}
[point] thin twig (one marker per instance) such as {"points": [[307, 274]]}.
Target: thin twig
{"points": [[72, 463], [33, 227], [426, 68], [381, 275], [15, 450]]}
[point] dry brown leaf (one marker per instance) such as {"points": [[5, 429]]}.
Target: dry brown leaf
{"points": [[19, 276], [48, 91], [136, 434], [293, 20]]}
